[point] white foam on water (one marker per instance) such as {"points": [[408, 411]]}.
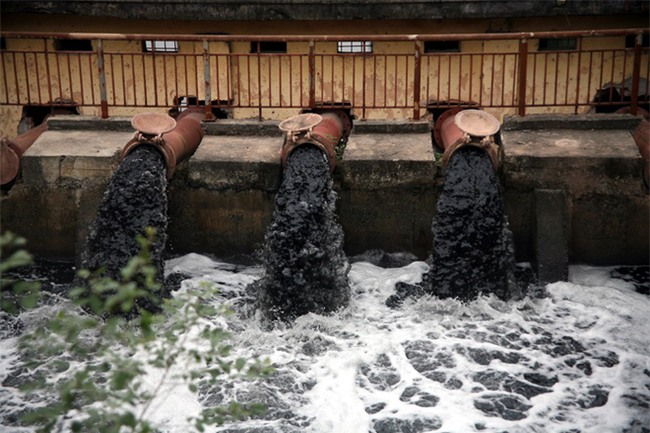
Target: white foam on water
{"points": [[577, 360]]}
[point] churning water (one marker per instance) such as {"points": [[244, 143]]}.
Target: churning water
{"points": [[577, 360]]}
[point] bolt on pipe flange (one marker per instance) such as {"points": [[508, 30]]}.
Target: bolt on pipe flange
{"points": [[323, 131], [460, 128]]}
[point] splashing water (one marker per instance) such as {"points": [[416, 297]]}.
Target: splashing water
{"points": [[305, 266], [577, 360]]}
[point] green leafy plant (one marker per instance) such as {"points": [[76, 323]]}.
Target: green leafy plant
{"points": [[14, 293], [88, 366]]}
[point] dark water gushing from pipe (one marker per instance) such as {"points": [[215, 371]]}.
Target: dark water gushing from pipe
{"points": [[472, 250], [135, 199], [305, 267], [472, 245]]}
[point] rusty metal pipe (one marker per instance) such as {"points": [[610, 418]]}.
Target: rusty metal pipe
{"points": [[176, 140], [324, 131], [11, 151], [460, 127]]}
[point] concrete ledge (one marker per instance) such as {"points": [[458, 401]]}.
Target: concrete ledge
{"points": [[578, 161], [73, 157], [236, 162], [535, 122], [377, 161], [222, 198], [248, 127], [391, 127], [242, 127], [89, 123], [599, 171]]}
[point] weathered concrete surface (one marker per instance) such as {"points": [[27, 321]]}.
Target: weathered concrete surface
{"points": [[380, 161], [600, 172], [64, 174], [222, 198], [387, 192], [217, 163], [71, 158], [223, 202], [576, 122], [551, 261], [229, 190]]}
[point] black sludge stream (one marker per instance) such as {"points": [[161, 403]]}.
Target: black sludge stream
{"points": [[305, 266], [135, 199], [472, 249]]}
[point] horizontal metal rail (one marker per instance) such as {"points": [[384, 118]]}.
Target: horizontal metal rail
{"points": [[402, 80]]}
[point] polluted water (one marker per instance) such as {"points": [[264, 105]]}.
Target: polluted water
{"points": [[305, 266], [574, 360], [135, 199], [473, 250]]}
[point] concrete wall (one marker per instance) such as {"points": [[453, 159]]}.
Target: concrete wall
{"points": [[594, 164], [222, 198], [339, 10]]}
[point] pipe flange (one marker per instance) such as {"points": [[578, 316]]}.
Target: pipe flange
{"points": [[151, 126], [300, 126], [477, 123]]}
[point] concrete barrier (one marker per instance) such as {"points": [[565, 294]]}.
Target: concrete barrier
{"points": [[387, 182]]}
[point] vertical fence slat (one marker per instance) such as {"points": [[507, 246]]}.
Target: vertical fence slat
{"points": [[206, 78]]}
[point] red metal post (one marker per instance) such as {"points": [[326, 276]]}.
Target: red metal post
{"points": [[206, 80], [523, 63], [417, 70], [312, 75]]}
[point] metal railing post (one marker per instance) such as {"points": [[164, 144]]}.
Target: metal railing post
{"points": [[206, 79], [636, 74], [523, 66], [417, 69], [103, 98], [312, 75]]}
